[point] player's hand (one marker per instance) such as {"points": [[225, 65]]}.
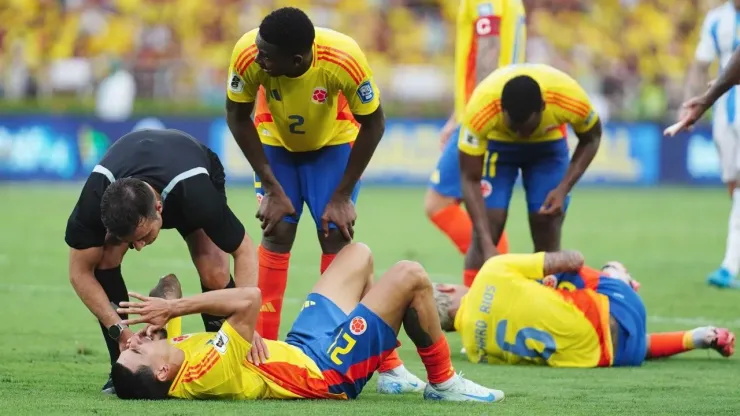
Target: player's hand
{"points": [[273, 208], [125, 339], [446, 133], [258, 354], [554, 202], [153, 311], [690, 112], [340, 211]]}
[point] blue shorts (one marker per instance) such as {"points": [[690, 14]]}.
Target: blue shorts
{"points": [[445, 179], [310, 177], [626, 307], [346, 348], [543, 166]]}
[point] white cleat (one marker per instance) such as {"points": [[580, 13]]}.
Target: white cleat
{"points": [[463, 390], [399, 381]]}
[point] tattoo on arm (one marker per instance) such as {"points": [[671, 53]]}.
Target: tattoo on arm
{"points": [[563, 261], [415, 330]]}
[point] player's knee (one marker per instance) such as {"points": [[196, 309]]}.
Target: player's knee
{"points": [[412, 276], [360, 252], [434, 202], [281, 239], [112, 257], [213, 271]]}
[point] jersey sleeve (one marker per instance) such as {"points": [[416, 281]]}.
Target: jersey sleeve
{"points": [[84, 227], [242, 84], [354, 76], [574, 105], [203, 206], [478, 120], [513, 34], [706, 49], [527, 266]]}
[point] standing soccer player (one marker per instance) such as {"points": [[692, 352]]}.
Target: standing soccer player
{"points": [[490, 34], [317, 124], [515, 121], [719, 39]]}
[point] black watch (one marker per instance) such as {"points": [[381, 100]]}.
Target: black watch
{"points": [[114, 331]]}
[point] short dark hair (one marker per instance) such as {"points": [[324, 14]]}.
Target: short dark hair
{"points": [[140, 384], [125, 204], [521, 97], [289, 29]]}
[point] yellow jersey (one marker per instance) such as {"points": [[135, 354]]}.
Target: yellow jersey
{"points": [[565, 103], [315, 109], [508, 317], [216, 367], [501, 21]]}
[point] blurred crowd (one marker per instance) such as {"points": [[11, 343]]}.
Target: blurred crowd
{"points": [[631, 55]]}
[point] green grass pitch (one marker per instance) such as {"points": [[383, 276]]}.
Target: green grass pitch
{"points": [[53, 361]]}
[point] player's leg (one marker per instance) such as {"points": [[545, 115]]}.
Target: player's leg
{"points": [[213, 268], [667, 344], [320, 173], [546, 167], [108, 274], [443, 196], [727, 139], [500, 172], [404, 296], [274, 250]]}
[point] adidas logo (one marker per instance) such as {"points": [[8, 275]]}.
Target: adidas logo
{"points": [[267, 307]]}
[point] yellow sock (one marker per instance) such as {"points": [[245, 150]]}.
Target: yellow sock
{"points": [[174, 328]]}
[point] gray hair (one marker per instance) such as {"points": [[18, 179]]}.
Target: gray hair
{"points": [[443, 302]]}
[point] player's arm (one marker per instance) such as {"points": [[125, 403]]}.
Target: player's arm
{"points": [[705, 54], [206, 208], [363, 96], [241, 94], [240, 306], [501, 39], [535, 266], [472, 145], [85, 235], [729, 77], [581, 115]]}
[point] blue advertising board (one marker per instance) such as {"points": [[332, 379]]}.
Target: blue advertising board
{"points": [[67, 148]]}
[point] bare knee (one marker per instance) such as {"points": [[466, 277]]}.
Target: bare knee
{"points": [[112, 257], [281, 238], [435, 202], [332, 243], [213, 269], [411, 276]]}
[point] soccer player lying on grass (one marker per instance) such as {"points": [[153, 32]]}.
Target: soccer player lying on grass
{"points": [[593, 319], [346, 328]]}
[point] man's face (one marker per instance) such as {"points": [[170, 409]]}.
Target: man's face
{"points": [[527, 127], [142, 351], [274, 61], [146, 232]]}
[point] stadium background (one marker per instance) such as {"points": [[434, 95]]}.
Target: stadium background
{"points": [[72, 71]]}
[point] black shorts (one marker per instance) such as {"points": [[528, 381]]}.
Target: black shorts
{"points": [[218, 178]]}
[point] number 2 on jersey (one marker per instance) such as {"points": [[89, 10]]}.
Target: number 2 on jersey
{"points": [[298, 122], [520, 347], [335, 350]]}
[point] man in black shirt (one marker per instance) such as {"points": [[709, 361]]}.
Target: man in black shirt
{"points": [[146, 181]]}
